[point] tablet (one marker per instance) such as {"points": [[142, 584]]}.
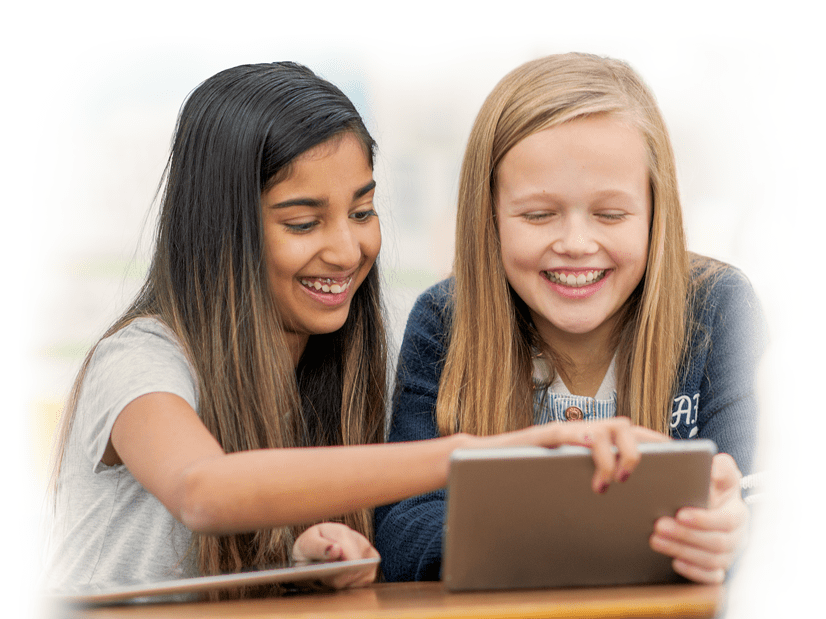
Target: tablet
{"points": [[528, 518], [177, 589]]}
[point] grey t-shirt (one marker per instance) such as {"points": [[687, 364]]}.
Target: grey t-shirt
{"points": [[108, 530]]}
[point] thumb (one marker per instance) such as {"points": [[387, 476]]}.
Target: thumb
{"points": [[725, 477]]}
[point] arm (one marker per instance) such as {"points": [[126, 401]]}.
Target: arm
{"points": [[164, 444], [705, 542], [734, 326]]}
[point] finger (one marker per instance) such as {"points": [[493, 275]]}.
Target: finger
{"points": [[628, 455], [555, 434], [699, 574], [646, 435], [725, 479], [728, 517], [313, 546], [605, 460], [698, 557], [352, 544], [713, 542]]}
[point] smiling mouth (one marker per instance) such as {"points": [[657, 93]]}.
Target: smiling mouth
{"points": [[326, 284], [575, 280]]}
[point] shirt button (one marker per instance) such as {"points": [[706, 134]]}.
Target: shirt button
{"points": [[573, 413]]}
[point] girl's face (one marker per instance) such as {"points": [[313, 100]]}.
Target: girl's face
{"points": [[321, 237], [573, 210]]}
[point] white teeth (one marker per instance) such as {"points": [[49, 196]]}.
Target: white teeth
{"points": [[575, 281], [326, 285]]}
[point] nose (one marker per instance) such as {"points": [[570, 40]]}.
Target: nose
{"points": [[575, 237], [342, 246]]}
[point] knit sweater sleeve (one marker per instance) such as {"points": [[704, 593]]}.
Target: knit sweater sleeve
{"points": [[735, 337], [409, 533]]}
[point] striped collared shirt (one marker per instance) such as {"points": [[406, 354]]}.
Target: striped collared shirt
{"points": [[555, 402]]}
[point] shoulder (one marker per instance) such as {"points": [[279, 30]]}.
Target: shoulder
{"points": [[428, 325], [144, 352], [726, 322], [437, 298], [433, 308], [142, 357], [722, 296], [144, 338], [715, 281]]}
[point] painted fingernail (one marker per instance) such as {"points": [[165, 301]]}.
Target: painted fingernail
{"points": [[624, 476], [603, 488]]}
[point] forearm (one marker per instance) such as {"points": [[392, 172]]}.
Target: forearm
{"points": [[265, 488]]}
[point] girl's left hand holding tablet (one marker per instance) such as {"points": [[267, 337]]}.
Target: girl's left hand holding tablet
{"points": [[705, 542], [332, 541]]}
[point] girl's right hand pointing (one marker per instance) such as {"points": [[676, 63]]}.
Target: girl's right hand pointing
{"points": [[600, 436]]}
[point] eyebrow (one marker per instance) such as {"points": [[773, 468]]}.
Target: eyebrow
{"points": [[602, 194], [316, 203]]}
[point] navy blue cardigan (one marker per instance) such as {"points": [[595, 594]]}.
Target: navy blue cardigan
{"points": [[715, 400]]}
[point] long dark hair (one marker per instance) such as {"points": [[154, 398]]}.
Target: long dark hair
{"points": [[236, 136]]}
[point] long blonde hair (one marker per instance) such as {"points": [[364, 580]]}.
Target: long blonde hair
{"points": [[486, 385], [237, 133]]}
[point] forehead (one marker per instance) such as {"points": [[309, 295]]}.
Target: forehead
{"points": [[592, 149], [350, 140]]}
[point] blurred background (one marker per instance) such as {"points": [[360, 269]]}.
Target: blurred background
{"points": [[91, 91]]}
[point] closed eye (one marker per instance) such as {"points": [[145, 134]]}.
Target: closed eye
{"points": [[538, 216], [611, 216]]}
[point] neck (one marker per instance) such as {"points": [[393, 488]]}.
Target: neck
{"points": [[582, 359], [296, 343]]}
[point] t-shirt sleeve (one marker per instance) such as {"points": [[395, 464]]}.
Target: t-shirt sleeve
{"points": [[143, 357]]}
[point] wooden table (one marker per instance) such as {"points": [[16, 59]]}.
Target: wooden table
{"points": [[430, 600]]}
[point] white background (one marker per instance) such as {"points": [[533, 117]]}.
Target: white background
{"points": [[89, 99]]}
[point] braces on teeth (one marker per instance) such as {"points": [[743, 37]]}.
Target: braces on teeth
{"points": [[575, 281], [326, 285]]}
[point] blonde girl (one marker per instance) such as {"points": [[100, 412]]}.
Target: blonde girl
{"points": [[232, 411], [574, 297]]}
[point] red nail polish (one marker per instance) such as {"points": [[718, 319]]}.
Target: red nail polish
{"points": [[624, 476], [603, 488]]}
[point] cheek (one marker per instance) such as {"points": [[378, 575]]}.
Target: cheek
{"points": [[635, 256], [371, 243], [284, 258], [519, 249]]}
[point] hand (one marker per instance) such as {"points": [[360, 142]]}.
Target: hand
{"points": [[601, 436], [331, 541], [705, 542]]}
